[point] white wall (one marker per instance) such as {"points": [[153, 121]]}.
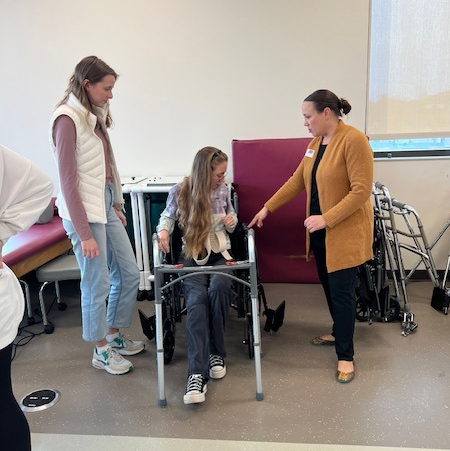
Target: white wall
{"points": [[193, 73]]}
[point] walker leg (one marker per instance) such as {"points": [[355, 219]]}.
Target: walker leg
{"points": [[162, 402], [257, 348]]}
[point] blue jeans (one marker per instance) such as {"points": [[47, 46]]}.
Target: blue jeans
{"points": [[113, 275]]}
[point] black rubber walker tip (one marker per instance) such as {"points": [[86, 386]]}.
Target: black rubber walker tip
{"points": [[40, 400]]}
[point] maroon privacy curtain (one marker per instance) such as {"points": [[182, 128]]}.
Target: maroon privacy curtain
{"points": [[260, 167]]}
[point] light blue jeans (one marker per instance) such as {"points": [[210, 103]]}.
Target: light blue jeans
{"points": [[113, 275]]}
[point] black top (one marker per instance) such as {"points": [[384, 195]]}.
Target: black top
{"points": [[314, 208]]}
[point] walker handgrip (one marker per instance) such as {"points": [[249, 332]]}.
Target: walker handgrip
{"points": [[398, 204], [379, 185]]}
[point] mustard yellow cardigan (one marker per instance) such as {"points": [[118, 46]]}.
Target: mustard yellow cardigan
{"points": [[344, 182]]}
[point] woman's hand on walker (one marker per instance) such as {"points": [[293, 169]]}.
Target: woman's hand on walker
{"points": [[121, 216], [314, 223], [164, 241], [90, 248], [228, 220], [259, 218]]}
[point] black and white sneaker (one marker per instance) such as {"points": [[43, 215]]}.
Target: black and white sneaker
{"points": [[217, 368], [196, 388]]}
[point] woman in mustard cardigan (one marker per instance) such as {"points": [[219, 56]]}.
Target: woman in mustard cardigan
{"points": [[337, 174]]}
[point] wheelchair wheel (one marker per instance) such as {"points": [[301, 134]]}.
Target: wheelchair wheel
{"points": [[393, 313], [362, 311], [248, 335], [168, 340], [141, 295]]}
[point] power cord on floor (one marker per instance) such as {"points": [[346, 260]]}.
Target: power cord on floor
{"points": [[23, 340], [18, 342]]}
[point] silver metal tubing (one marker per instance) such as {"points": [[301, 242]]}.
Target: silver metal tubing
{"points": [[159, 328], [58, 293], [257, 348], [391, 234], [185, 276], [444, 280], [396, 247], [160, 270], [255, 314], [426, 255], [137, 238], [144, 240], [414, 250], [394, 255], [169, 269], [438, 237], [423, 250], [162, 402], [27, 297], [160, 351], [388, 242], [42, 304]]}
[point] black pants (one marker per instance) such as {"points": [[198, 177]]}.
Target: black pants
{"points": [[339, 287], [14, 430]]}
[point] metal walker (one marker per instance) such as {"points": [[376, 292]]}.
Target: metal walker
{"points": [[386, 209], [162, 287]]}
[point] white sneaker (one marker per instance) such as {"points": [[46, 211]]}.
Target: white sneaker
{"points": [[217, 367], [111, 361], [196, 388], [125, 346]]}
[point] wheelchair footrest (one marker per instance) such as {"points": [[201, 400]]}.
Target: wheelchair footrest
{"points": [[441, 299], [275, 318], [148, 324]]}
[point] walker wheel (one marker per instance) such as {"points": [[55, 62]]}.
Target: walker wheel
{"points": [[362, 312], [168, 341], [248, 330], [62, 306], [31, 320], [394, 311], [169, 346]]}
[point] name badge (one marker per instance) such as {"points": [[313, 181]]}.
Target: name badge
{"points": [[309, 153]]}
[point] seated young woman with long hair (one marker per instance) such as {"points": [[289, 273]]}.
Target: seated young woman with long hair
{"points": [[202, 207]]}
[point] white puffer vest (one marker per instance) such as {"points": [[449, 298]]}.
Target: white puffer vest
{"points": [[91, 169]]}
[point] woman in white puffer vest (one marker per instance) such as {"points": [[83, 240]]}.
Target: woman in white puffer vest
{"points": [[201, 204], [90, 202]]}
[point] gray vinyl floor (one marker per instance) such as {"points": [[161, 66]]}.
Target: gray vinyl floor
{"points": [[399, 398]]}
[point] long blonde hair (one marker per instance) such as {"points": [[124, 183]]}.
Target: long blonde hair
{"points": [[93, 69], [194, 200]]}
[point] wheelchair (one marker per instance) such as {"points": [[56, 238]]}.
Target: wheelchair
{"points": [[170, 305], [373, 299]]}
